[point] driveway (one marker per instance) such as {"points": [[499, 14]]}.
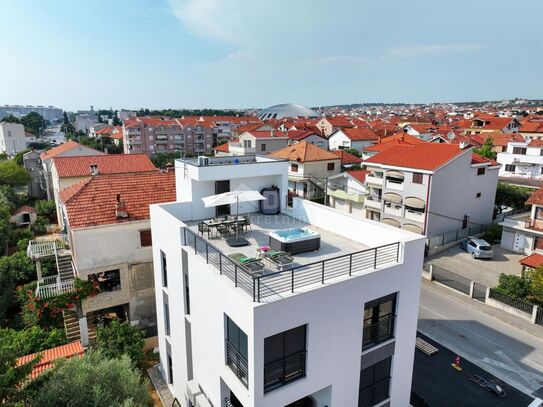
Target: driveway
{"points": [[483, 271]]}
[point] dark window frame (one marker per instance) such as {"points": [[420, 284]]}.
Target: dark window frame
{"points": [[481, 171], [374, 384], [418, 178], [331, 166], [294, 167], [167, 326], [236, 345], [145, 238], [511, 167], [164, 269], [379, 327]]}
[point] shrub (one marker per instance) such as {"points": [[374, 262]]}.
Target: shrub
{"points": [[31, 340], [515, 286], [93, 380], [493, 234], [40, 226], [121, 338]]}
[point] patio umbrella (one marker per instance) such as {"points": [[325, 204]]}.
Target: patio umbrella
{"points": [[233, 197]]}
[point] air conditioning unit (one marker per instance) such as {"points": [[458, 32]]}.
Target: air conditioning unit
{"points": [[203, 161], [201, 401], [193, 390], [516, 159]]}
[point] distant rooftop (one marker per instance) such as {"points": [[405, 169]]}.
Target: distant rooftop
{"points": [[230, 160]]}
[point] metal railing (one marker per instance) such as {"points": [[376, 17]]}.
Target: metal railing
{"points": [[276, 282], [52, 290], [375, 393], [283, 371], [237, 363], [43, 248], [377, 332], [516, 303]]}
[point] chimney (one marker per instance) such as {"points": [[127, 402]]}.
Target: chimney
{"points": [[120, 208], [463, 144], [94, 169]]}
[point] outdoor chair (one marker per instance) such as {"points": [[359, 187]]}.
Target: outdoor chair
{"points": [[204, 228]]}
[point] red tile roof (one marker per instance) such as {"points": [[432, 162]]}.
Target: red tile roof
{"points": [[303, 152], [533, 261], [79, 166], [49, 356], [298, 135], [92, 201], [479, 159], [536, 197], [67, 146], [23, 209], [224, 148], [105, 130], [535, 143], [425, 156], [532, 126], [359, 134], [359, 175], [267, 134], [347, 158], [339, 121]]}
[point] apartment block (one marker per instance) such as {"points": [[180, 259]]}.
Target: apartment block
{"points": [[430, 188], [335, 328], [12, 138], [522, 159]]}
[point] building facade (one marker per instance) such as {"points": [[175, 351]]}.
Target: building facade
{"points": [[231, 338], [522, 159], [12, 138]]}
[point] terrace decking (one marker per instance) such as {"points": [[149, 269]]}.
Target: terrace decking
{"points": [[337, 257]]}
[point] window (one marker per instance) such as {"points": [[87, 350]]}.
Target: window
{"points": [[263, 147], [247, 143], [236, 350], [519, 150], [481, 171], [510, 167], [284, 357], [294, 167], [106, 281], [166, 317], [170, 369], [478, 195], [331, 166], [145, 238], [164, 266], [417, 178], [379, 321], [375, 383], [187, 293]]}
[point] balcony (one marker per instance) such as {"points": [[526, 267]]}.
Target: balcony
{"points": [[52, 286], [414, 215], [375, 393], [343, 193], [377, 332], [394, 184], [237, 363], [283, 371], [373, 202], [375, 180], [395, 210]]}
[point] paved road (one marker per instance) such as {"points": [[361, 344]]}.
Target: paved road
{"points": [[512, 350]]}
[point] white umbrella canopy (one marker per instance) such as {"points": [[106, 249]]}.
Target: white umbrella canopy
{"points": [[232, 197]]}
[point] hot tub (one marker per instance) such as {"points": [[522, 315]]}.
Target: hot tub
{"points": [[295, 240]]}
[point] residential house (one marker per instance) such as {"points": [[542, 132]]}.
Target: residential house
{"points": [[68, 171], [385, 143], [523, 233], [107, 221], [230, 337], [67, 149], [348, 160], [357, 138], [23, 216], [486, 124], [346, 191], [309, 168], [328, 125], [12, 138], [310, 136], [430, 188], [522, 159], [254, 142], [532, 128]]}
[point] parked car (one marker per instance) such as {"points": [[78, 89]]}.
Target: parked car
{"points": [[479, 248]]}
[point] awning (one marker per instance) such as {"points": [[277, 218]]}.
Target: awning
{"points": [[414, 202], [391, 222], [395, 174], [412, 228], [392, 197]]}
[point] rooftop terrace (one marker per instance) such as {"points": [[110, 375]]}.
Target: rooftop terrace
{"points": [[337, 258], [230, 160]]}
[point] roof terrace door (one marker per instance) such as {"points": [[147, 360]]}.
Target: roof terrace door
{"points": [[220, 188]]}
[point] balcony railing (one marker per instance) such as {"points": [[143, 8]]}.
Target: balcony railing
{"points": [[374, 333], [44, 248], [283, 371], [237, 363], [272, 283], [52, 290], [375, 393]]}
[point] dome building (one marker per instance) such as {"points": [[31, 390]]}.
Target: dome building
{"points": [[286, 110]]}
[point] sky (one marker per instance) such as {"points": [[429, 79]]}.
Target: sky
{"points": [[242, 54]]}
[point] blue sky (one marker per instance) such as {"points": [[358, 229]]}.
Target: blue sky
{"points": [[239, 53]]}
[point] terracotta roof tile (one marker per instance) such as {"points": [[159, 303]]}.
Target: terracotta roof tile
{"points": [[360, 133], [79, 166], [23, 209], [533, 261], [224, 148], [67, 146], [92, 203], [536, 197], [347, 158], [303, 152], [49, 356], [359, 175]]}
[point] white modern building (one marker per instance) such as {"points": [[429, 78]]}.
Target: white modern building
{"points": [[357, 138], [523, 159], [12, 138], [335, 328], [347, 190]]}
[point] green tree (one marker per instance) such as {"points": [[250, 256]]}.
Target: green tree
{"points": [[19, 157], [162, 160], [46, 208], [31, 340], [514, 286], [13, 175], [486, 149], [13, 377], [353, 151], [536, 286], [121, 338], [67, 127], [510, 196], [34, 123], [93, 380], [10, 119]]}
